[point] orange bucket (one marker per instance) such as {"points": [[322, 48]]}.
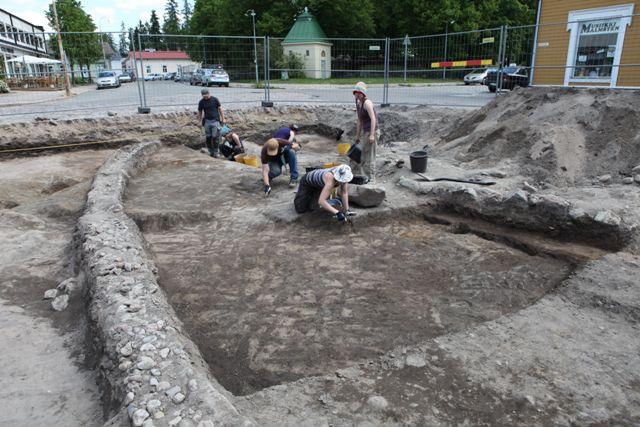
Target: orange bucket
{"points": [[343, 148], [330, 165], [240, 158], [251, 161]]}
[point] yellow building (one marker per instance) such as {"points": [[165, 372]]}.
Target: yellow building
{"points": [[307, 39], [587, 43]]}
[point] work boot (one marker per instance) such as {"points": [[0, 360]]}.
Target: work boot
{"points": [[293, 183]]}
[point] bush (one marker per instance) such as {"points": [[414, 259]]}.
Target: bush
{"points": [[294, 64], [4, 88]]}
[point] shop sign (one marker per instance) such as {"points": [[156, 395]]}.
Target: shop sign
{"points": [[605, 26]]}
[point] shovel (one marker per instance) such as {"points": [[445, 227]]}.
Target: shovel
{"points": [[465, 181]]}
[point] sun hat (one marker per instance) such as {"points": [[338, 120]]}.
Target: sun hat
{"points": [[224, 130], [204, 91], [342, 173], [294, 127], [360, 87], [272, 147]]}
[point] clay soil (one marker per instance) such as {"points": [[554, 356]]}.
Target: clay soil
{"points": [[272, 302]]}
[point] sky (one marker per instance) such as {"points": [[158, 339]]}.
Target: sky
{"points": [[106, 14]]}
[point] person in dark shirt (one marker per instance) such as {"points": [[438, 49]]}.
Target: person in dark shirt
{"points": [[275, 153], [231, 144], [288, 133], [211, 118]]}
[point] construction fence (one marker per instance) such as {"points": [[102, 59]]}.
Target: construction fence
{"points": [[457, 69]]}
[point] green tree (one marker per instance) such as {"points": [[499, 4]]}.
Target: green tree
{"points": [[123, 41], [171, 24], [81, 49], [155, 41], [187, 12]]}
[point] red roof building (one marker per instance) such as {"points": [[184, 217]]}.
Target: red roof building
{"points": [[159, 62], [170, 54]]}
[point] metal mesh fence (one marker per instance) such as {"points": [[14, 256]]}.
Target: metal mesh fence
{"points": [[116, 71]]}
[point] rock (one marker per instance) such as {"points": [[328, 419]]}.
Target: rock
{"points": [[60, 302], [517, 199], [148, 423], [193, 385], [637, 179], [50, 294], [636, 169], [627, 180], [145, 363], [605, 179], [175, 421], [416, 360], [377, 402], [528, 187], [172, 391], [158, 415], [111, 114], [154, 406], [608, 218], [139, 416], [164, 385], [206, 423], [127, 349], [129, 398], [178, 398], [68, 285], [147, 347], [530, 400], [156, 372], [154, 381], [367, 196], [497, 174]]}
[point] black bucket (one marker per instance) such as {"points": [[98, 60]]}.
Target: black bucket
{"points": [[418, 160]]}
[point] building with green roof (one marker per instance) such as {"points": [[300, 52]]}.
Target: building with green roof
{"points": [[307, 39]]}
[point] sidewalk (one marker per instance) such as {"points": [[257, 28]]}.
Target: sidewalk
{"points": [[26, 97]]}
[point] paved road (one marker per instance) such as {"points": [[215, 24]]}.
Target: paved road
{"points": [[167, 95]]}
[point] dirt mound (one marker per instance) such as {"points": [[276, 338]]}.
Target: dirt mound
{"points": [[567, 136]]}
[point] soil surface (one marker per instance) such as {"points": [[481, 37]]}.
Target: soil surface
{"points": [[45, 363], [269, 303]]}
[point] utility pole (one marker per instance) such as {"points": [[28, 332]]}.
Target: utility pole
{"points": [[63, 56], [255, 47]]}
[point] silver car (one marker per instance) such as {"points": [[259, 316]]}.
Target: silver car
{"points": [[107, 79], [477, 76]]}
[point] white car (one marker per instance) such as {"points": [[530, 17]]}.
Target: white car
{"points": [[107, 79], [153, 76], [477, 76], [216, 77]]}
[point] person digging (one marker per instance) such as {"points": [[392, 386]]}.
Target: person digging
{"points": [[368, 124], [318, 185], [274, 155], [211, 118], [231, 143], [287, 132]]}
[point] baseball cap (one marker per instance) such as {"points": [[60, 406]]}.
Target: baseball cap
{"points": [[204, 91], [272, 147]]}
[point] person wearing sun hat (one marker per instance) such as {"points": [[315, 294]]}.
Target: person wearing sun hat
{"points": [[318, 185], [275, 153], [231, 144], [367, 123]]}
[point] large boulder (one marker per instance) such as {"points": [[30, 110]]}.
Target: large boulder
{"points": [[367, 196]]}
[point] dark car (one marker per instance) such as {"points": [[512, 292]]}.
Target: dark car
{"points": [[510, 77]]}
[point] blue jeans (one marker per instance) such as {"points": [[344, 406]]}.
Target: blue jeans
{"points": [[288, 157]]}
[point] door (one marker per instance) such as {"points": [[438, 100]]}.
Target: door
{"points": [[323, 68]]}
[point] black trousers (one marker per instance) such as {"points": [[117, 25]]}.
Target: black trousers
{"points": [[306, 197]]}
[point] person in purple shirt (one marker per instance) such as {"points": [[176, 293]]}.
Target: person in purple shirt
{"points": [[288, 133]]}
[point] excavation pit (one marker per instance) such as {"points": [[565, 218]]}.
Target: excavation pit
{"points": [[271, 302]]}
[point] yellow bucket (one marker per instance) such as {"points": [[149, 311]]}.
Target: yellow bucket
{"points": [[251, 161], [343, 148], [330, 165], [240, 158]]}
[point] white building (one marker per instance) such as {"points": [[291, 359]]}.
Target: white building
{"points": [[158, 62], [308, 40], [19, 37]]}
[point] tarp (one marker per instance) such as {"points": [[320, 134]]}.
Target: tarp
{"points": [[27, 59]]}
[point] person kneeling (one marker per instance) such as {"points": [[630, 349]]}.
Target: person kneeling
{"points": [[231, 143], [318, 185], [275, 154]]}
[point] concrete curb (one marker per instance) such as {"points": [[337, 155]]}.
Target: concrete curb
{"points": [[154, 374]]}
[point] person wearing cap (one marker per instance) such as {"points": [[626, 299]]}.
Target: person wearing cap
{"points": [[367, 124], [287, 132], [318, 185], [211, 118], [231, 143], [275, 153]]}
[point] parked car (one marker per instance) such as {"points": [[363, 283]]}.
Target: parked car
{"points": [[510, 76], [153, 76], [196, 76], [178, 77], [169, 76], [107, 79], [217, 77], [125, 78], [477, 76]]}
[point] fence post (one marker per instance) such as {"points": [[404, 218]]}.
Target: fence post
{"points": [[144, 109], [385, 89], [267, 78], [500, 59], [135, 69]]}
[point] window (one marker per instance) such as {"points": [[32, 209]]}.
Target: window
{"points": [[596, 43], [164, 68], [323, 54], [148, 69], [307, 53]]}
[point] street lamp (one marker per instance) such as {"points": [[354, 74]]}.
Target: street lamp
{"points": [[104, 56], [255, 47], [446, 40]]}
